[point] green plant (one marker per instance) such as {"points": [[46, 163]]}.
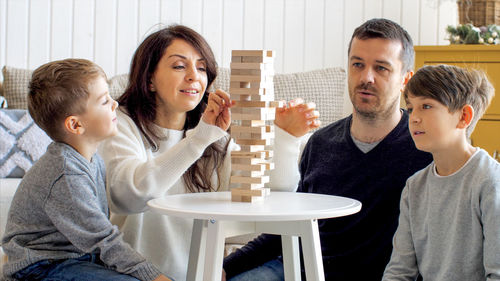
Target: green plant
{"points": [[470, 34]]}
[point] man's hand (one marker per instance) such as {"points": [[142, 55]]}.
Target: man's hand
{"points": [[217, 112], [298, 118]]}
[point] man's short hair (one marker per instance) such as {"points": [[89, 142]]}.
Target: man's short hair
{"points": [[59, 89], [387, 29], [453, 87]]}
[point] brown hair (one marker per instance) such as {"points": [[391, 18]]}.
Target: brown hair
{"points": [[59, 89], [140, 102], [453, 87], [387, 29]]}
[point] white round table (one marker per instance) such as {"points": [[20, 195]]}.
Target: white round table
{"points": [[289, 214]]}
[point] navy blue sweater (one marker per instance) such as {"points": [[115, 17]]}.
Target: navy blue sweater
{"points": [[355, 247]]}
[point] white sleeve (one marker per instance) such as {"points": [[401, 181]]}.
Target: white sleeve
{"points": [[287, 152], [134, 176]]}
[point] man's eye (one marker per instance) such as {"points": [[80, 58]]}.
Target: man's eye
{"points": [[357, 64], [410, 110], [381, 68], [426, 106]]}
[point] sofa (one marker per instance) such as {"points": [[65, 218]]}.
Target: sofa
{"points": [[22, 142]]}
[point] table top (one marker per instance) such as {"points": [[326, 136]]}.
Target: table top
{"points": [[278, 206]]}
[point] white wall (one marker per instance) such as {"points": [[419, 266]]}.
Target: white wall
{"points": [[307, 35]]}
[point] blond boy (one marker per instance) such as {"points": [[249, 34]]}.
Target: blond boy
{"points": [[58, 225], [449, 225]]}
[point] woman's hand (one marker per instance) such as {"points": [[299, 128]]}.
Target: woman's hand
{"points": [[298, 118], [217, 112]]}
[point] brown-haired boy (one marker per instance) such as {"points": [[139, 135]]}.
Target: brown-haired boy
{"points": [[58, 225], [449, 225]]}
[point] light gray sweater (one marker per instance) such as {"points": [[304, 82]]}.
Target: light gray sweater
{"points": [[60, 211], [449, 226]]}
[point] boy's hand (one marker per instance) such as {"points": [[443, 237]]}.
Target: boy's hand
{"points": [[298, 117], [162, 278], [217, 112]]}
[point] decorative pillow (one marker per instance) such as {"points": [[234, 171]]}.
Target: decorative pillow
{"points": [[325, 87], [15, 86], [117, 85], [22, 142]]}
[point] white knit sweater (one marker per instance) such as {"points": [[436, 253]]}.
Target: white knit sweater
{"points": [[136, 174]]}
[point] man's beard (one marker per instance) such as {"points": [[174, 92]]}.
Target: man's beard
{"points": [[376, 112]]}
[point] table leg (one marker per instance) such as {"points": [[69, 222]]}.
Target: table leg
{"points": [[197, 250], [291, 257], [311, 248], [215, 251]]}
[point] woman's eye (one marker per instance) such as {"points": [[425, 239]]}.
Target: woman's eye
{"points": [[426, 106], [179, 67], [202, 69], [410, 110]]}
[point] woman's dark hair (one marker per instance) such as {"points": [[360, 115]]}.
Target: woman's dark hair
{"points": [[140, 103]]}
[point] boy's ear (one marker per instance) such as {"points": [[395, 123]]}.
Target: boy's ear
{"points": [[466, 116], [73, 125]]}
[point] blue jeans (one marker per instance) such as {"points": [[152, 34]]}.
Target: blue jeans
{"points": [[270, 271], [85, 268]]}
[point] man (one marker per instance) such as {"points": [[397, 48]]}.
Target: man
{"points": [[367, 156]]}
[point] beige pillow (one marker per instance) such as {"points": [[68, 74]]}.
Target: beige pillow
{"points": [[15, 86], [16, 82]]}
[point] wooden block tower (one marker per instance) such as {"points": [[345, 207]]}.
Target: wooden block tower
{"points": [[252, 88]]}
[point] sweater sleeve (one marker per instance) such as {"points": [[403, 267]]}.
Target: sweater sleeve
{"points": [[257, 252], [489, 210], [287, 150], [74, 209], [134, 177], [403, 263]]}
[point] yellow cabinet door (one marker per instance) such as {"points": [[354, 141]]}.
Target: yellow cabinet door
{"points": [[487, 136]]}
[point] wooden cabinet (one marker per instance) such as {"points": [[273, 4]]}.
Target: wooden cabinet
{"points": [[487, 132]]}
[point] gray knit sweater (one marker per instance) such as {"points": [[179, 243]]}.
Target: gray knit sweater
{"points": [[60, 211], [449, 226]]}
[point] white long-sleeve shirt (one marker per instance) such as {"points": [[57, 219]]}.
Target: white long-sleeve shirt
{"points": [[136, 174]]}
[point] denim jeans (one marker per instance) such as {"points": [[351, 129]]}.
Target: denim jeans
{"points": [[85, 268], [270, 271]]}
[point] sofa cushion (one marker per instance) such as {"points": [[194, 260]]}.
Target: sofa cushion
{"points": [[325, 87], [16, 82], [22, 142], [15, 86]]}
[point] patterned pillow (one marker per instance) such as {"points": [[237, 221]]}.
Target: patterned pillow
{"points": [[325, 87], [15, 86], [22, 142]]}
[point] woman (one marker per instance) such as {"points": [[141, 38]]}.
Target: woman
{"points": [[172, 139]]}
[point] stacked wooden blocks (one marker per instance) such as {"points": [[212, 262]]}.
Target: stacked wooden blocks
{"points": [[252, 88]]}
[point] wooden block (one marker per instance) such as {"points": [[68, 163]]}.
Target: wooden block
{"points": [[255, 59], [253, 141], [247, 161], [259, 104], [253, 123], [251, 85], [248, 78], [246, 53], [246, 199], [249, 192], [251, 185], [252, 136], [249, 173], [255, 113], [246, 91], [252, 148], [257, 130], [268, 73], [251, 66], [237, 97], [245, 154], [245, 167], [236, 59], [241, 179]]}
